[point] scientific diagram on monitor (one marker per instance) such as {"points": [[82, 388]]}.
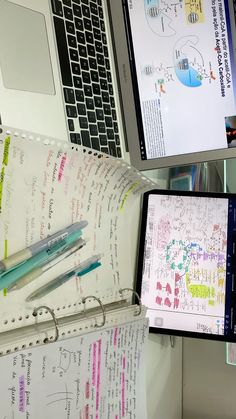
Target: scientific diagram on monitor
{"points": [[163, 16], [189, 67]]}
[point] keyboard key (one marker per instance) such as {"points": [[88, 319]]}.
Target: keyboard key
{"points": [[85, 136], [97, 34], [74, 56], [95, 21], [103, 139], [95, 143], [104, 150], [77, 82], [71, 125], [82, 51], [102, 25], [91, 116], [75, 68], [76, 1], [62, 51], [67, 2], [89, 103], [102, 72], [68, 13], [104, 39], [69, 95], [70, 27], [110, 134], [88, 90], [105, 97], [112, 102], [77, 10], [71, 111], [98, 46], [114, 117], [93, 8], [57, 7], [100, 114], [83, 122], [118, 150], [85, 11], [93, 63], [115, 125], [91, 50], [79, 24], [72, 41], [111, 91], [79, 94], [105, 51], [98, 101], [89, 37], [88, 24], [108, 121], [107, 109], [96, 89], [100, 59], [84, 64], [86, 77], [109, 79], [80, 37], [112, 148], [84, 1], [101, 127], [81, 109], [107, 64], [93, 129], [75, 138], [103, 84], [94, 76], [117, 139], [100, 12]]}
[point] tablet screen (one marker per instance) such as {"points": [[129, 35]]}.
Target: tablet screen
{"points": [[187, 264]]}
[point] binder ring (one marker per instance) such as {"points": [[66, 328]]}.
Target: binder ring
{"points": [[46, 340], [136, 295], [102, 308]]}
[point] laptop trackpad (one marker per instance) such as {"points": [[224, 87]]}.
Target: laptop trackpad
{"points": [[24, 51]]}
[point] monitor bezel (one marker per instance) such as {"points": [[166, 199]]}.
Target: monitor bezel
{"points": [[140, 259]]}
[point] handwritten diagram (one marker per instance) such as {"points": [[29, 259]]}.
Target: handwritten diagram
{"points": [[185, 256]]}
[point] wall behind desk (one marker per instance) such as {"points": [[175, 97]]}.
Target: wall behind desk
{"points": [[209, 384]]}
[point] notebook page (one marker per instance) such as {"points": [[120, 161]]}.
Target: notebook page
{"points": [[47, 185], [98, 375]]}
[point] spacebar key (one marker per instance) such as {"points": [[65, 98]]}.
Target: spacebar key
{"points": [[63, 51]]}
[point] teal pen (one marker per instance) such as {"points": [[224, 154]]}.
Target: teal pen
{"points": [[38, 260], [80, 270]]}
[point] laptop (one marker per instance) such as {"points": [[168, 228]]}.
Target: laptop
{"points": [[136, 79], [58, 71]]}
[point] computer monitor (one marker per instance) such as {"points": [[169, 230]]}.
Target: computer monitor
{"points": [[187, 263], [182, 57]]}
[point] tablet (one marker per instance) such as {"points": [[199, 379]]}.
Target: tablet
{"points": [[187, 263]]}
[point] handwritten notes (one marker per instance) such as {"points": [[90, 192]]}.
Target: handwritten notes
{"points": [[185, 263], [98, 375], [46, 186]]}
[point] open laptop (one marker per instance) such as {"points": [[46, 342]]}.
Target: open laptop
{"points": [[141, 79]]}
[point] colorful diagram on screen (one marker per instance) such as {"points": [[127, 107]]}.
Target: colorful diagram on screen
{"points": [[163, 15]]}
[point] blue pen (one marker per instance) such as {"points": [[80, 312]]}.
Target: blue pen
{"points": [[8, 278], [80, 270], [48, 242]]}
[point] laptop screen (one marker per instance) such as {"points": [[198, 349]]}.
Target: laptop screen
{"points": [[187, 263], [183, 62]]}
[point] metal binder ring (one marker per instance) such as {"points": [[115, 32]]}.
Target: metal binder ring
{"points": [[46, 340], [102, 308], [136, 295]]}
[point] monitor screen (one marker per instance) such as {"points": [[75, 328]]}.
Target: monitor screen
{"points": [[184, 77], [187, 263]]}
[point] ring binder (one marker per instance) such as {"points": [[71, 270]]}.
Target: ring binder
{"points": [[46, 340], [102, 308], [136, 295]]}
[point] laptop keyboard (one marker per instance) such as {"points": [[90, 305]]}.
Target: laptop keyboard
{"points": [[85, 72]]}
